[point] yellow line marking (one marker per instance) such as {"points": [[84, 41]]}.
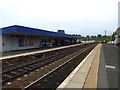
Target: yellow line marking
{"points": [[91, 81]]}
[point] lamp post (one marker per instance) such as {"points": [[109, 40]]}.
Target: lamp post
{"points": [[105, 36]]}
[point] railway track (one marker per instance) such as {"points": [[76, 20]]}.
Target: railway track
{"points": [[12, 74], [13, 62], [53, 79]]}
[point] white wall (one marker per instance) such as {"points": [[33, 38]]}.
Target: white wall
{"points": [[12, 43], [0, 44], [6, 43]]}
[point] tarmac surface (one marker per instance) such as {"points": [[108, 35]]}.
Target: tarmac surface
{"points": [[109, 68]]}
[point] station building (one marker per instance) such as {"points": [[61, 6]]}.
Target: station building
{"points": [[117, 37], [20, 37]]}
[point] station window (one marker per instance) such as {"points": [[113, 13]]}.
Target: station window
{"points": [[119, 35], [21, 41], [29, 42]]}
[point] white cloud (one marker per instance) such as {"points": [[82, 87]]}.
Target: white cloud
{"points": [[68, 14]]}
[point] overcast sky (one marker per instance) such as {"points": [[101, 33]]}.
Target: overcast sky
{"points": [[85, 17]]}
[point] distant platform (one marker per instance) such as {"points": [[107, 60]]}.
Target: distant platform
{"points": [[13, 54]]}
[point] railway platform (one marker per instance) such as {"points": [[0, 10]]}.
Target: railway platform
{"points": [[17, 53], [98, 70]]}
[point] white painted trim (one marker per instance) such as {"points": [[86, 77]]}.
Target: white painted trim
{"points": [[110, 66]]}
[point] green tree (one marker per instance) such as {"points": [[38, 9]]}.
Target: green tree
{"points": [[113, 36], [87, 38], [61, 31], [99, 36]]}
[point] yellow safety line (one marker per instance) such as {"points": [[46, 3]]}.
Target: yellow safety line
{"points": [[91, 81]]}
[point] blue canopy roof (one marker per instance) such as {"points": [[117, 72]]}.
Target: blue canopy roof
{"points": [[23, 29]]}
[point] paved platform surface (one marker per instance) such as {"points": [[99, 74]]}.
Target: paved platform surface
{"points": [[109, 67], [78, 77], [98, 70]]}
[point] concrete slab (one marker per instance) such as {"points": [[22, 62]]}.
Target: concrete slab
{"points": [[79, 78], [74, 85]]}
